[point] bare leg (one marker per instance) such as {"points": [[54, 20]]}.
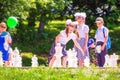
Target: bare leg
{"points": [[6, 63], [52, 61], [80, 63], [64, 61]]}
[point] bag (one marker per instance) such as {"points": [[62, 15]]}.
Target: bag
{"points": [[108, 44]]}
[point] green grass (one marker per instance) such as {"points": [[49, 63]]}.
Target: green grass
{"points": [[45, 73], [27, 58]]}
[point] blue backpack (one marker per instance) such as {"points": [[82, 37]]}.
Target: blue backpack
{"points": [[108, 45]]}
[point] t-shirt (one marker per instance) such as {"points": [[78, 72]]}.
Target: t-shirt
{"points": [[82, 30], [99, 36], [3, 41], [64, 39]]}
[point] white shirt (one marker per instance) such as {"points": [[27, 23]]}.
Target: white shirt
{"points": [[64, 39], [82, 30], [99, 36]]}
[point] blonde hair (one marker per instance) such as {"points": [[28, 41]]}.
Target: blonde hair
{"points": [[3, 24], [76, 32]]}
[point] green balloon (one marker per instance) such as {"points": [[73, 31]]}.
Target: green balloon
{"points": [[12, 22]]}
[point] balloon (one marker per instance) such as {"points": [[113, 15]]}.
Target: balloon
{"points": [[12, 22]]}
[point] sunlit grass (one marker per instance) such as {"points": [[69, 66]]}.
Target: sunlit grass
{"points": [[27, 54], [46, 73]]}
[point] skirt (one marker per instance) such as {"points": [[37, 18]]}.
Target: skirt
{"points": [[79, 54]]}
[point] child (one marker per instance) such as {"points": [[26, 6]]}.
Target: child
{"points": [[101, 37], [82, 31], [63, 37], [5, 41]]}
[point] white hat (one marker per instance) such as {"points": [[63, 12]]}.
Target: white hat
{"points": [[68, 21], [82, 14], [75, 23]]}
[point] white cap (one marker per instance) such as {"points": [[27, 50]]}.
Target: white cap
{"points": [[68, 21], [99, 19], [82, 14]]}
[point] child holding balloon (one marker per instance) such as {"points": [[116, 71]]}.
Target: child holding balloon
{"points": [[5, 41]]}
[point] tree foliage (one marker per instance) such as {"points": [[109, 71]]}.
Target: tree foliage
{"points": [[108, 9], [47, 10], [15, 8]]}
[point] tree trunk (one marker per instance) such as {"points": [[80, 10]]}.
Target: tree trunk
{"points": [[41, 27]]}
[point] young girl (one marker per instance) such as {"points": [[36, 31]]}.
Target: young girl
{"points": [[5, 41], [62, 38], [82, 30], [101, 37]]}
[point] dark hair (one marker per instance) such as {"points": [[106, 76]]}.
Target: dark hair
{"points": [[76, 32], [67, 31]]}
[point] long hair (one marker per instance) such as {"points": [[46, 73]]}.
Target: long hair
{"points": [[76, 32], [66, 30]]}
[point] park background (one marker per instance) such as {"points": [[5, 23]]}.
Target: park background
{"points": [[39, 21]]}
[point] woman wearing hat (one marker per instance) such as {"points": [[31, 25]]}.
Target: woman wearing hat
{"points": [[82, 30]]}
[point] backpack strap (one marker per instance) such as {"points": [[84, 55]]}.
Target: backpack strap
{"points": [[104, 32]]}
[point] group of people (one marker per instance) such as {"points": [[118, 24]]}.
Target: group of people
{"points": [[5, 43], [78, 31]]}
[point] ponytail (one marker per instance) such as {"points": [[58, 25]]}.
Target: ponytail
{"points": [[67, 31], [76, 32]]}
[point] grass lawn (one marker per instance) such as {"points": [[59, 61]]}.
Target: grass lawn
{"points": [[45, 73]]}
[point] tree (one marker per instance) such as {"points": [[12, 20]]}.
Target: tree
{"points": [[48, 10], [15, 8], [108, 9]]}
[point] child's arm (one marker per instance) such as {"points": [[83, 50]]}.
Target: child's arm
{"points": [[106, 38], [9, 40], [86, 42], [104, 44], [57, 38], [78, 46]]}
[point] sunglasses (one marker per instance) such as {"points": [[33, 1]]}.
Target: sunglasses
{"points": [[2, 26], [78, 17]]}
